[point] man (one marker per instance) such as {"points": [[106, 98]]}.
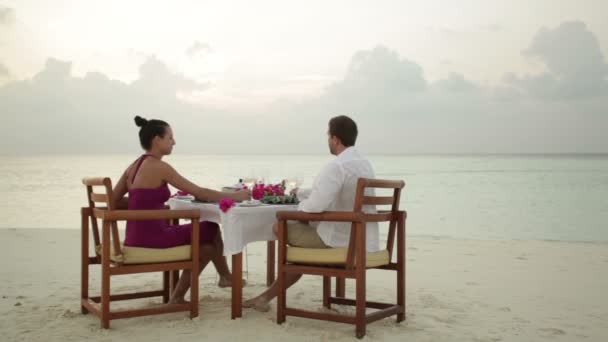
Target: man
{"points": [[334, 189]]}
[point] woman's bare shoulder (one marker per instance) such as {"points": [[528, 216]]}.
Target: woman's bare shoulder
{"points": [[160, 165]]}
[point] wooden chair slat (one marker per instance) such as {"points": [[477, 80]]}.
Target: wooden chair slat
{"points": [[376, 200], [99, 198], [383, 184]]}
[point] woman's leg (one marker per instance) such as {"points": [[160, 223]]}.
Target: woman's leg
{"points": [[207, 252], [219, 260], [221, 264]]}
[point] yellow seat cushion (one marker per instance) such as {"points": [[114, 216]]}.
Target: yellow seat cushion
{"points": [[141, 255], [332, 256]]}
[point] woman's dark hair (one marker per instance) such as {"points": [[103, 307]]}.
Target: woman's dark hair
{"points": [[149, 129], [345, 129]]}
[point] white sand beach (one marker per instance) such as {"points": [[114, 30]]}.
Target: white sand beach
{"points": [[457, 290]]}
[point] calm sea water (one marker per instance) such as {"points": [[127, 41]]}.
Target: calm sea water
{"points": [[479, 197]]}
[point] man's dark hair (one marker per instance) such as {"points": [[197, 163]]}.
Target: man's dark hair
{"points": [[345, 129]]}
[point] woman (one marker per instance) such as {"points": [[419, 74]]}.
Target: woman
{"points": [[146, 181]]}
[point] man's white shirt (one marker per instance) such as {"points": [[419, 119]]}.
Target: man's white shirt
{"points": [[334, 189]]}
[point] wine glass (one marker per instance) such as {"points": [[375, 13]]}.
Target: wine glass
{"points": [[293, 183], [299, 181], [249, 181]]}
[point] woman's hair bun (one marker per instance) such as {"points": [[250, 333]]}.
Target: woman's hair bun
{"points": [[140, 122]]}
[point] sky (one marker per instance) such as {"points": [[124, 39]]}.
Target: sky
{"points": [[244, 77]]}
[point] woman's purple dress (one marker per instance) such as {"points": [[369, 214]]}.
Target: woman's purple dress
{"points": [[158, 233]]}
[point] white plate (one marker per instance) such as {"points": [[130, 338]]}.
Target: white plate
{"points": [[253, 203], [188, 198]]}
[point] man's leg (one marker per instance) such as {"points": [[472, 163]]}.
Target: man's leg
{"points": [[301, 235], [260, 302]]}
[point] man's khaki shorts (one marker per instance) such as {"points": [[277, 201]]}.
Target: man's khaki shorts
{"points": [[300, 234]]}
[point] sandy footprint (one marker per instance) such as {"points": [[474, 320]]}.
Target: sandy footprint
{"points": [[551, 332]]}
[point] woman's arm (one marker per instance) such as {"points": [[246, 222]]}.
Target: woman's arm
{"points": [[179, 182]]}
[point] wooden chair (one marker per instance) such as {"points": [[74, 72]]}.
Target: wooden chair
{"points": [[347, 262], [118, 260]]}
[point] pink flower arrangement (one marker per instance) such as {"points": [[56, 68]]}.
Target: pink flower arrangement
{"points": [[226, 204], [274, 190], [261, 190], [258, 191]]}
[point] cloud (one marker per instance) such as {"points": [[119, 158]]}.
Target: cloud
{"points": [[464, 31], [155, 76], [576, 67], [7, 16], [455, 83], [493, 28], [397, 109], [198, 48], [55, 111], [380, 71], [55, 71]]}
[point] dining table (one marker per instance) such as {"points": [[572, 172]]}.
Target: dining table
{"points": [[241, 224]]}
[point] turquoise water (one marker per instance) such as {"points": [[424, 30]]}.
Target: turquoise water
{"points": [[479, 197]]}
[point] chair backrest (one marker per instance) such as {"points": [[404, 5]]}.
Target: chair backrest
{"points": [[366, 196], [107, 197], [363, 198]]}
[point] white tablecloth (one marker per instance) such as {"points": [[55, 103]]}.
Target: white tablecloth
{"points": [[241, 225]]}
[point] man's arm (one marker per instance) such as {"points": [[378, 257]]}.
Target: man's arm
{"points": [[171, 176], [325, 189], [301, 194]]}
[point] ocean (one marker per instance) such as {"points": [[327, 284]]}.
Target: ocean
{"points": [[503, 197]]}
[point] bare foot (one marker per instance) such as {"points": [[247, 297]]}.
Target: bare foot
{"points": [[227, 282], [259, 304]]}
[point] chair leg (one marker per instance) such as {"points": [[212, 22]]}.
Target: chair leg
{"points": [[84, 291], [105, 277], [282, 297], [401, 267], [326, 291], [401, 293], [84, 262], [360, 306], [105, 297], [166, 286], [401, 290], [340, 287], [194, 288], [270, 262], [360, 276], [84, 284]]}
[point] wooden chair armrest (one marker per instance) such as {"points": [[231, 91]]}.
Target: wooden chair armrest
{"points": [[96, 181], [122, 215], [335, 216]]}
